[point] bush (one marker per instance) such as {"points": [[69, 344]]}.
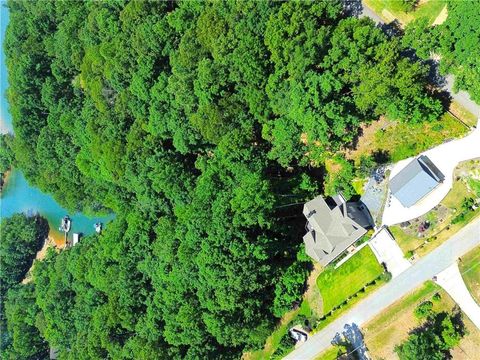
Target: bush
{"points": [[386, 276], [436, 297], [366, 166], [286, 345], [424, 310], [433, 339], [289, 288]]}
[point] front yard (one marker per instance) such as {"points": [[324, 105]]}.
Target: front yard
{"points": [[392, 326], [338, 285], [327, 289], [423, 234]]}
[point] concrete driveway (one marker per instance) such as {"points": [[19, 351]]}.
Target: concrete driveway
{"points": [[388, 252], [451, 280], [446, 157], [428, 266]]}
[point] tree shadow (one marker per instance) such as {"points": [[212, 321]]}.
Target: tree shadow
{"points": [[352, 339], [381, 156], [352, 7]]}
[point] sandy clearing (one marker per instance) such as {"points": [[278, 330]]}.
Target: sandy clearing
{"points": [[441, 17]]}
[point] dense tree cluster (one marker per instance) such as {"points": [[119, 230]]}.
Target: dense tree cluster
{"points": [[456, 41], [21, 238], [435, 338], [197, 123], [7, 156]]}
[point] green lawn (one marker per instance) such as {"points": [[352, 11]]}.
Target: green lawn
{"points": [[405, 140], [329, 354], [470, 269], [389, 10], [337, 285], [399, 140]]}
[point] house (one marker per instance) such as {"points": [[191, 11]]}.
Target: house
{"points": [[332, 226], [415, 181], [76, 239]]}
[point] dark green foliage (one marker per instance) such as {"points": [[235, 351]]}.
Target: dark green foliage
{"points": [[21, 238], [21, 314], [182, 118], [456, 41], [433, 339], [289, 288], [286, 345], [7, 155], [366, 165], [466, 208], [341, 180], [424, 310]]}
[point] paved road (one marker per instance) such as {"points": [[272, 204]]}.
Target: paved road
{"points": [[462, 97], [451, 280], [367, 12], [430, 265]]}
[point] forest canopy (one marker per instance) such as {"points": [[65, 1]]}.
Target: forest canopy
{"points": [[455, 42], [202, 126]]}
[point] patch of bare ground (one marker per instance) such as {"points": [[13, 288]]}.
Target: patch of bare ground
{"points": [[367, 138], [392, 328], [49, 242], [469, 347], [440, 19], [312, 295]]}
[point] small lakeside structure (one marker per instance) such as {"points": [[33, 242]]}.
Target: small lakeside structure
{"points": [[333, 225], [415, 181]]}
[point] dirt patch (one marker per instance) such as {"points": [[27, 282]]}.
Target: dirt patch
{"points": [[49, 242], [469, 346], [304, 138], [441, 17], [366, 140], [312, 295], [332, 166], [387, 15]]}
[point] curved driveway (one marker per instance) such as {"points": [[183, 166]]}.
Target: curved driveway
{"points": [[446, 157], [430, 265]]}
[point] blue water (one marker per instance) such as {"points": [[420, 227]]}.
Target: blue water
{"points": [[18, 195], [5, 118]]}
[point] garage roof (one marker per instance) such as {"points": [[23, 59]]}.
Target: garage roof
{"points": [[415, 181]]}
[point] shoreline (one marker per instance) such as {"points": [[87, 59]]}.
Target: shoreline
{"points": [[4, 179]]}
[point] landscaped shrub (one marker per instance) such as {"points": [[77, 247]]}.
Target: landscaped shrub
{"points": [[424, 310], [386, 276]]}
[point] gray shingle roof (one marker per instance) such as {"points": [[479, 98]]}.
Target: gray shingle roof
{"points": [[331, 230], [415, 181]]}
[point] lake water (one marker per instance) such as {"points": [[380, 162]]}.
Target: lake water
{"points": [[18, 195]]}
